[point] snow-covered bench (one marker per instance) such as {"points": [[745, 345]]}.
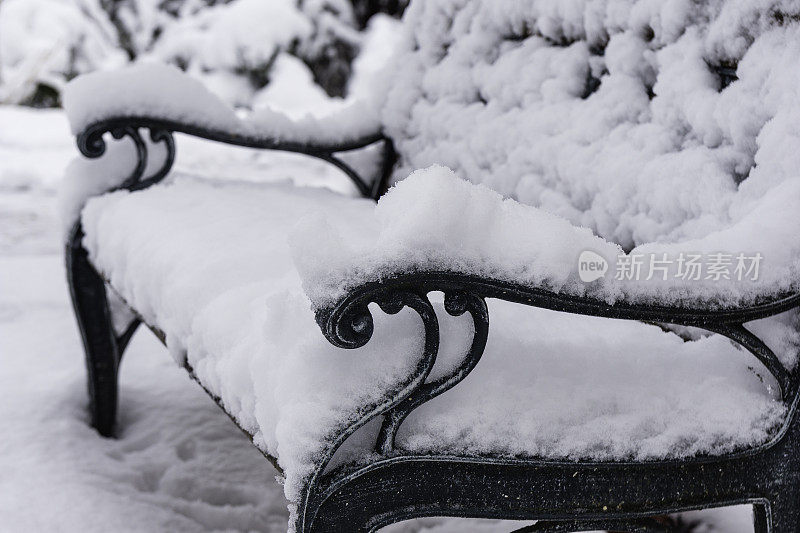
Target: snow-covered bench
{"points": [[668, 130]]}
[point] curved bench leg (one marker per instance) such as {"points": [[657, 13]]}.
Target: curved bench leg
{"points": [[89, 302]]}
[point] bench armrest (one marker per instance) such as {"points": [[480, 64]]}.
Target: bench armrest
{"points": [[348, 323], [433, 232], [166, 101]]}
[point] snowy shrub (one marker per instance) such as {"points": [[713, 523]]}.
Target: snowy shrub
{"points": [[365, 9], [231, 45], [45, 43]]}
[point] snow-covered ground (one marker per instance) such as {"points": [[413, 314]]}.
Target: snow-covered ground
{"points": [[179, 464]]}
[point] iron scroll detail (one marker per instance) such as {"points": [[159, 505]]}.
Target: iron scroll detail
{"points": [[456, 303], [349, 324], [92, 144]]}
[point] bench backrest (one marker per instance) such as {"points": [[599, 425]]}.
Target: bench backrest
{"points": [[643, 120]]}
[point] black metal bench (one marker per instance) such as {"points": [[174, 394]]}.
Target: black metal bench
{"points": [[563, 495]]}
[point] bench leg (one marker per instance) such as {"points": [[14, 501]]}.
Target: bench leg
{"points": [[760, 518], [89, 302], [785, 515]]}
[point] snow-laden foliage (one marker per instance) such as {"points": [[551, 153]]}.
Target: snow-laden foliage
{"points": [[230, 45], [44, 43], [614, 114]]}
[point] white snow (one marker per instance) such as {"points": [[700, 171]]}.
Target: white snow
{"points": [[481, 87], [47, 41], [164, 92], [34, 148], [675, 173], [210, 265], [229, 46], [230, 35], [288, 108], [434, 221], [144, 90], [179, 464]]}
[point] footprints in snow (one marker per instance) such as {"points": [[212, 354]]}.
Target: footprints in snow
{"points": [[179, 478], [186, 450]]}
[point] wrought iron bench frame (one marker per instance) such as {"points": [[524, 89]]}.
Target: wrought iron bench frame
{"points": [[561, 495]]}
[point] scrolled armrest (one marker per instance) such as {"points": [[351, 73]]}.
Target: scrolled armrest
{"points": [[348, 322], [92, 144], [167, 101], [434, 231]]}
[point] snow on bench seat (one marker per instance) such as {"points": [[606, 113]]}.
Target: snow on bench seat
{"points": [[211, 265]]}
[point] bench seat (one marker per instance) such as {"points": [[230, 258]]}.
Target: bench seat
{"points": [[210, 265], [651, 128]]}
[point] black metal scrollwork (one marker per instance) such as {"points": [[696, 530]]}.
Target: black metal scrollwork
{"points": [[349, 324], [456, 303], [92, 144]]}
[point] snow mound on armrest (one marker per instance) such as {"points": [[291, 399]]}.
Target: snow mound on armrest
{"points": [[147, 89], [434, 221], [163, 92]]}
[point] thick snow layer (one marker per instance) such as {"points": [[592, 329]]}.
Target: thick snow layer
{"points": [[434, 221], [660, 153], [501, 92], [638, 393], [178, 464], [291, 96], [250, 334], [159, 91], [210, 265]]}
